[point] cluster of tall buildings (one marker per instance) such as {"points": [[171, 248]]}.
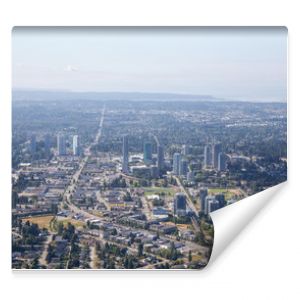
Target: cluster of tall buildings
{"points": [[210, 203], [214, 157], [62, 145], [180, 163], [33, 145], [148, 155]]}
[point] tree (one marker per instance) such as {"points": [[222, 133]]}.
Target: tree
{"points": [[190, 256], [140, 249], [50, 253], [54, 209], [60, 228], [20, 225], [35, 263], [126, 263], [127, 197], [130, 264], [98, 247], [15, 199], [173, 253], [165, 182]]}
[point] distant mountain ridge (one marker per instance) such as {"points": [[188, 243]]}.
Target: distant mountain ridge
{"points": [[38, 95], [60, 95]]}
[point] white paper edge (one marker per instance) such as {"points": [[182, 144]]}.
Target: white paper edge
{"points": [[231, 220]]}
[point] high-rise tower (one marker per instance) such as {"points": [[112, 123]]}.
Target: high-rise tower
{"points": [[183, 167], [61, 144], [176, 163], [147, 152], [180, 204], [76, 148], [216, 150], [32, 145], [207, 156], [160, 158], [125, 154], [47, 141]]}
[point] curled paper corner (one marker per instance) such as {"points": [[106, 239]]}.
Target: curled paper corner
{"points": [[229, 221]]}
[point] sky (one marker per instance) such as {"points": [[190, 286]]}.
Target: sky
{"points": [[232, 63]]}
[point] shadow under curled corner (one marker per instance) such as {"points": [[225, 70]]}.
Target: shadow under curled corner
{"points": [[230, 221]]}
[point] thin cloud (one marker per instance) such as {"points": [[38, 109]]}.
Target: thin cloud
{"points": [[70, 68]]}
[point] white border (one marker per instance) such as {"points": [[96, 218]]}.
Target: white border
{"points": [[263, 262]]}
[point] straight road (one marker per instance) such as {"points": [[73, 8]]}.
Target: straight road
{"points": [[190, 204], [70, 189]]}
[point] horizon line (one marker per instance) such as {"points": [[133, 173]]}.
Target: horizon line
{"points": [[213, 98]]}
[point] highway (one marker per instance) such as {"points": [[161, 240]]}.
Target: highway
{"points": [[70, 189]]}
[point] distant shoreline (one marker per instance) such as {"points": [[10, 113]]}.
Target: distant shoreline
{"points": [[63, 95]]}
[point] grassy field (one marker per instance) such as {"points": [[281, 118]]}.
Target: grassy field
{"points": [[196, 257], [97, 213], [47, 222], [229, 193], [169, 191], [41, 221], [183, 226], [65, 221]]}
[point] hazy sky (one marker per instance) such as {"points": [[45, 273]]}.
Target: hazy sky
{"points": [[231, 63]]}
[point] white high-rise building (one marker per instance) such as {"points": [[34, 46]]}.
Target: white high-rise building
{"points": [[76, 149], [207, 200], [185, 150], [216, 150]]}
